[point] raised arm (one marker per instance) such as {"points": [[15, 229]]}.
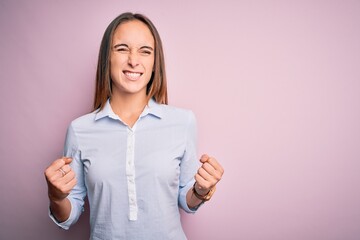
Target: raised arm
{"points": [[61, 180], [207, 176]]}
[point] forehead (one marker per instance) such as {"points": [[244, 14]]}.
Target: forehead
{"points": [[133, 32]]}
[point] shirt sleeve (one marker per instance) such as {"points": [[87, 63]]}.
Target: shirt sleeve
{"points": [[189, 164], [78, 193]]}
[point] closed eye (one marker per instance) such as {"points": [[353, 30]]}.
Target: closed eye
{"points": [[123, 50], [145, 52]]}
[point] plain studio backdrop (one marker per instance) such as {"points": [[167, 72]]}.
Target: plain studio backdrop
{"points": [[275, 86]]}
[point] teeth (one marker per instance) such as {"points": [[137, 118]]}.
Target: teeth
{"points": [[133, 75]]}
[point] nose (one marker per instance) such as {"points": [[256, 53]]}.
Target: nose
{"points": [[133, 59]]}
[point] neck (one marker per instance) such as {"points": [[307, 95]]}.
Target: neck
{"points": [[128, 107]]}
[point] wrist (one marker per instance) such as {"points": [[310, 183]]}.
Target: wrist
{"points": [[199, 190], [55, 199], [203, 196]]}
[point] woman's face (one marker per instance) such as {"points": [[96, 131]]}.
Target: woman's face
{"points": [[131, 58]]}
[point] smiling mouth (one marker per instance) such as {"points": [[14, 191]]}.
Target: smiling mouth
{"points": [[132, 75]]}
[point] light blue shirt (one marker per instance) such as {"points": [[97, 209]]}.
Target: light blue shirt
{"points": [[135, 178]]}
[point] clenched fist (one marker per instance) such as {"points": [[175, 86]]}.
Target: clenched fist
{"points": [[60, 179], [208, 175]]}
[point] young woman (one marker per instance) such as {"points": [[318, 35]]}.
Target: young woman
{"points": [[134, 156]]}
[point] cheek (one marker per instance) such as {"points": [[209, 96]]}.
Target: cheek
{"points": [[150, 69], [113, 70], [115, 66], [150, 65], [117, 60]]}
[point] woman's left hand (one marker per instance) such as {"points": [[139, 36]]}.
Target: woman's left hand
{"points": [[208, 175]]}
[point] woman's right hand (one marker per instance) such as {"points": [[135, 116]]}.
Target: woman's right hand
{"points": [[60, 179]]}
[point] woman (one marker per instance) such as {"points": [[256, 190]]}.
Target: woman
{"points": [[133, 156]]}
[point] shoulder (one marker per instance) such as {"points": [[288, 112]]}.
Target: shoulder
{"points": [[178, 114], [84, 121]]}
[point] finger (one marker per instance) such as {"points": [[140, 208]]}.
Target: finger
{"points": [[205, 175], [62, 185], [58, 163], [65, 188], [66, 168], [53, 176], [212, 171], [202, 184], [56, 176], [204, 158], [209, 168], [67, 160], [215, 164], [53, 169], [71, 184], [210, 179], [68, 177], [200, 180], [61, 173]]}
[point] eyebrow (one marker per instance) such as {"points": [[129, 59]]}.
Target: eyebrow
{"points": [[147, 47], [125, 45], [121, 45]]}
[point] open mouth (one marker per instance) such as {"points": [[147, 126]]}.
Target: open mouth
{"points": [[132, 75]]}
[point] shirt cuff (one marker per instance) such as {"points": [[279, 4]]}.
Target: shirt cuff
{"points": [[182, 198], [67, 223]]}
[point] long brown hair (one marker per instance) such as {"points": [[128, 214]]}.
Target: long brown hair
{"points": [[157, 86]]}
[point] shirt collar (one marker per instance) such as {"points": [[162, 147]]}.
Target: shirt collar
{"points": [[152, 108]]}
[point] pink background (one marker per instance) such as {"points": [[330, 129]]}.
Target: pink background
{"points": [[275, 86]]}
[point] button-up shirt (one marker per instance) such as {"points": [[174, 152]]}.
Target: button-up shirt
{"points": [[136, 177]]}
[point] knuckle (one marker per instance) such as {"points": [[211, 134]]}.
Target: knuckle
{"points": [[62, 189], [197, 178], [205, 185], [57, 161], [52, 179], [46, 173], [217, 178]]}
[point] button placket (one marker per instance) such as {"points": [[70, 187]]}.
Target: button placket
{"points": [[130, 173]]}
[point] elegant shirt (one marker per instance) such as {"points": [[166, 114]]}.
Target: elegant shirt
{"points": [[136, 177]]}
